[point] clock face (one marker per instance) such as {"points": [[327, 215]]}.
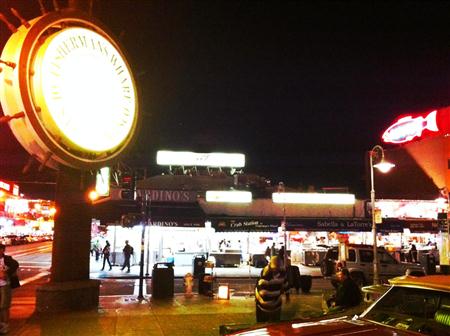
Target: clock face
{"points": [[84, 90], [70, 91]]}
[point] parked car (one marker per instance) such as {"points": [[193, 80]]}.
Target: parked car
{"points": [[22, 239], [358, 260], [10, 239], [411, 306]]}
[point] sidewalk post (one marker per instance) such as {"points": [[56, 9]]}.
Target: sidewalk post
{"points": [[144, 207]]}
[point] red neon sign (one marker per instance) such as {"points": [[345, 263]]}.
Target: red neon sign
{"points": [[408, 128]]}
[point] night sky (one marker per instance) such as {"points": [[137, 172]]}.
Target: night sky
{"points": [[304, 89]]}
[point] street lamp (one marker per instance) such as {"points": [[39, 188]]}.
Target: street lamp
{"points": [[377, 152]]}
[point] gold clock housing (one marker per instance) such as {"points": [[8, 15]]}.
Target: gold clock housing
{"points": [[76, 88]]}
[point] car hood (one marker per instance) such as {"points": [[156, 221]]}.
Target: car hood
{"points": [[337, 326]]}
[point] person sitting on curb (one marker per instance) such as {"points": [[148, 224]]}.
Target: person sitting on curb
{"points": [[293, 276], [270, 286], [348, 293]]}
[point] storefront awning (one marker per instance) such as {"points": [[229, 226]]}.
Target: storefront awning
{"points": [[272, 224], [163, 214], [245, 224], [176, 215], [328, 224], [360, 225], [431, 226]]}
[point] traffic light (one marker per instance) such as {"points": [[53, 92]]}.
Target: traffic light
{"points": [[127, 182], [127, 194], [131, 219], [128, 187]]}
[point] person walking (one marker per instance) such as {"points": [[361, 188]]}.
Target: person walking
{"points": [[281, 255], [273, 250], [267, 253], [127, 253], [97, 250], [8, 281], [270, 286], [106, 253]]}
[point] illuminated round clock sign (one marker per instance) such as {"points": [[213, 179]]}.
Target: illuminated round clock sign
{"points": [[86, 89], [76, 88]]}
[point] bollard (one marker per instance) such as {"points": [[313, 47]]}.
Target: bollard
{"points": [[188, 283]]}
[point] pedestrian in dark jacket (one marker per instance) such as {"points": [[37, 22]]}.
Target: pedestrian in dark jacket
{"points": [[293, 276], [127, 252], [106, 253], [8, 280], [270, 286], [348, 293], [413, 253]]}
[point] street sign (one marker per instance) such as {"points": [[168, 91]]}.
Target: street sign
{"points": [[378, 218]]}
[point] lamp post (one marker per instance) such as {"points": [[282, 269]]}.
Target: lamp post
{"points": [[384, 166], [281, 188]]}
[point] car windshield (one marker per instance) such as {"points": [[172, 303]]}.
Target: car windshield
{"points": [[414, 309]]}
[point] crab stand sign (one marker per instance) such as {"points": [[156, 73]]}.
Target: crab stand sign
{"points": [[70, 99]]}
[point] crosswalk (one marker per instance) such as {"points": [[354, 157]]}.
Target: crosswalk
{"points": [[34, 278]]}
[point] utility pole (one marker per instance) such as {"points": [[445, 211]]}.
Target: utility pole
{"points": [[144, 209]]}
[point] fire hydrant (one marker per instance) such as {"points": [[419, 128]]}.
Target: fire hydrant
{"points": [[188, 283]]}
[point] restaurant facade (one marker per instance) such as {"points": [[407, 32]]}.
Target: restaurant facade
{"points": [[183, 225]]}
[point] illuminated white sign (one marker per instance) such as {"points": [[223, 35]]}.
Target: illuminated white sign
{"points": [[15, 190], [5, 185], [229, 196], [313, 198], [171, 158], [102, 182], [16, 205], [411, 208]]}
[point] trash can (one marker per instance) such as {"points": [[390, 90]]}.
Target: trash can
{"points": [[305, 283], [199, 265], [162, 281], [205, 284], [428, 262]]}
